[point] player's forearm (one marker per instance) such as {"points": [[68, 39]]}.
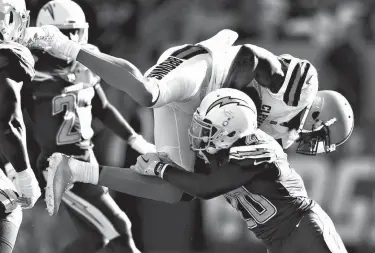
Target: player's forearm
{"points": [[112, 118], [120, 74], [129, 182], [13, 143], [218, 182]]}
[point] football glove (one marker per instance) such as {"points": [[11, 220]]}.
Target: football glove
{"points": [[50, 39], [149, 165]]}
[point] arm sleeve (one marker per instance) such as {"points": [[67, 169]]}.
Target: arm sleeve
{"points": [[216, 183], [120, 74]]}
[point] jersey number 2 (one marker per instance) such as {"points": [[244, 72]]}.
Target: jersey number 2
{"points": [[255, 209], [67, 102]]}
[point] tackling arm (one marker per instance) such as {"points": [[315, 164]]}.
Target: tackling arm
{"points": [[219, 181]]}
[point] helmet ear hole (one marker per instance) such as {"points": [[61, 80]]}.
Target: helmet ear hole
{"points": [[315, 115]]}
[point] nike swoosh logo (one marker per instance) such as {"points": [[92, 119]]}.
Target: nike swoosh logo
{"points": [[145, 160], [308, 80], [257, 163]]}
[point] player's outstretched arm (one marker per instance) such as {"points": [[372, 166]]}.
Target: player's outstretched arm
{"points": [[120, 74], [111, 117], [206, 186], [117, 72]]}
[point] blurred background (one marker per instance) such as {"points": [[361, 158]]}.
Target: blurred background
{"points": [[337, 36]]}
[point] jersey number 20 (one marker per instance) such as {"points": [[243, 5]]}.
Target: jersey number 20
{"points": [[255, 209], [65, 134]]}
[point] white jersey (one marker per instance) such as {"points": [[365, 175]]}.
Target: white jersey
{"points": [[297, 92], [181, 74], [284, 85]]}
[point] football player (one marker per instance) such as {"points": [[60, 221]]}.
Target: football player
{"points": [[250, 169], [61, 102], [328, 124], [16, 72]]}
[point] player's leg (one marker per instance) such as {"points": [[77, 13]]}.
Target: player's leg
{"points": [[100, 214], [315, 233], [10, 221], [9, 226], [101, 199]]}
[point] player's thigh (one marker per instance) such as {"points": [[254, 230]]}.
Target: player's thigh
{"points": [[171, 126], [315, 234], [9, 227]]}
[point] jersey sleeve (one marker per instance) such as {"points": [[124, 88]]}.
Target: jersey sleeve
{"points": [[178, 74], [300, 82], [18, 61], [260, 150]]}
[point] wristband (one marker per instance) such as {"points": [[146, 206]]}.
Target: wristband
{"points": [[160, 168]]}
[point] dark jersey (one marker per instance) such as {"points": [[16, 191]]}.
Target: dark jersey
{"points": [[18, 61], [59, 102], [274, 201]]}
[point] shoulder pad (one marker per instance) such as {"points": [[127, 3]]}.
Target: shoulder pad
{"points": [[260, 147], [20, 61]]}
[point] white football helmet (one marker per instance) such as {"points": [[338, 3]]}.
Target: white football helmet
{"points": [[66, 15], [14, 19], [223, 117], [329, 123]]}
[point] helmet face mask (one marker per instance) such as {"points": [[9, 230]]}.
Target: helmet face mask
{"points": [[328, 124], [315, 141], [14, 20], [205, 136], [75, 34]]}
